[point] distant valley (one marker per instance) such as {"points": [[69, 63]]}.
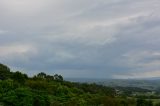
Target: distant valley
{"points": [[148, 83]]}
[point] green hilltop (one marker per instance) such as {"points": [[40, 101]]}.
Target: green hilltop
{"points": [[17, 89]]}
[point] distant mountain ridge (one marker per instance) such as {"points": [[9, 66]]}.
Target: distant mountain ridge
{"points": [[145, 83]]}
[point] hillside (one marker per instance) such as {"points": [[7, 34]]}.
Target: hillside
{"points": [[17, 89]]}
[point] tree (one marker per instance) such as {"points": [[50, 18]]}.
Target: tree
{"points": [[143, 102], [41, 75], [19, 77], [4, 72], [58, 77], [49, 78]]}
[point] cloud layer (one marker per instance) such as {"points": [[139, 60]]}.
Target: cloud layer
{"points": [[93, 39]]}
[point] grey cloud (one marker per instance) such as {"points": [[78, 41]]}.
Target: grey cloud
{"points": [[101, 39]]}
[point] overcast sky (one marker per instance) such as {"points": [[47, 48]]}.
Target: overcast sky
{"points": [[81, 38]]}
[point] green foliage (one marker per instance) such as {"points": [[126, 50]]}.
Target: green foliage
{"points": [[24, 97], [4, 72], [17, 89], [44, 76], [19, 77], [7, 85], [143, 102], [157, 104], [58, 77]]}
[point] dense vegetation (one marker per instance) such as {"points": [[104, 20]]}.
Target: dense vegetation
{"points": [[17, 89]]}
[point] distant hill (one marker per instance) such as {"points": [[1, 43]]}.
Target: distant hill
{"points": [[147, 83]]}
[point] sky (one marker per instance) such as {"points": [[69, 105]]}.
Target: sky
{"points": [[81, 38]]}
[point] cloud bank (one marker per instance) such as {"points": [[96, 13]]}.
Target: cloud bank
{"points": [[92, 39]]}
